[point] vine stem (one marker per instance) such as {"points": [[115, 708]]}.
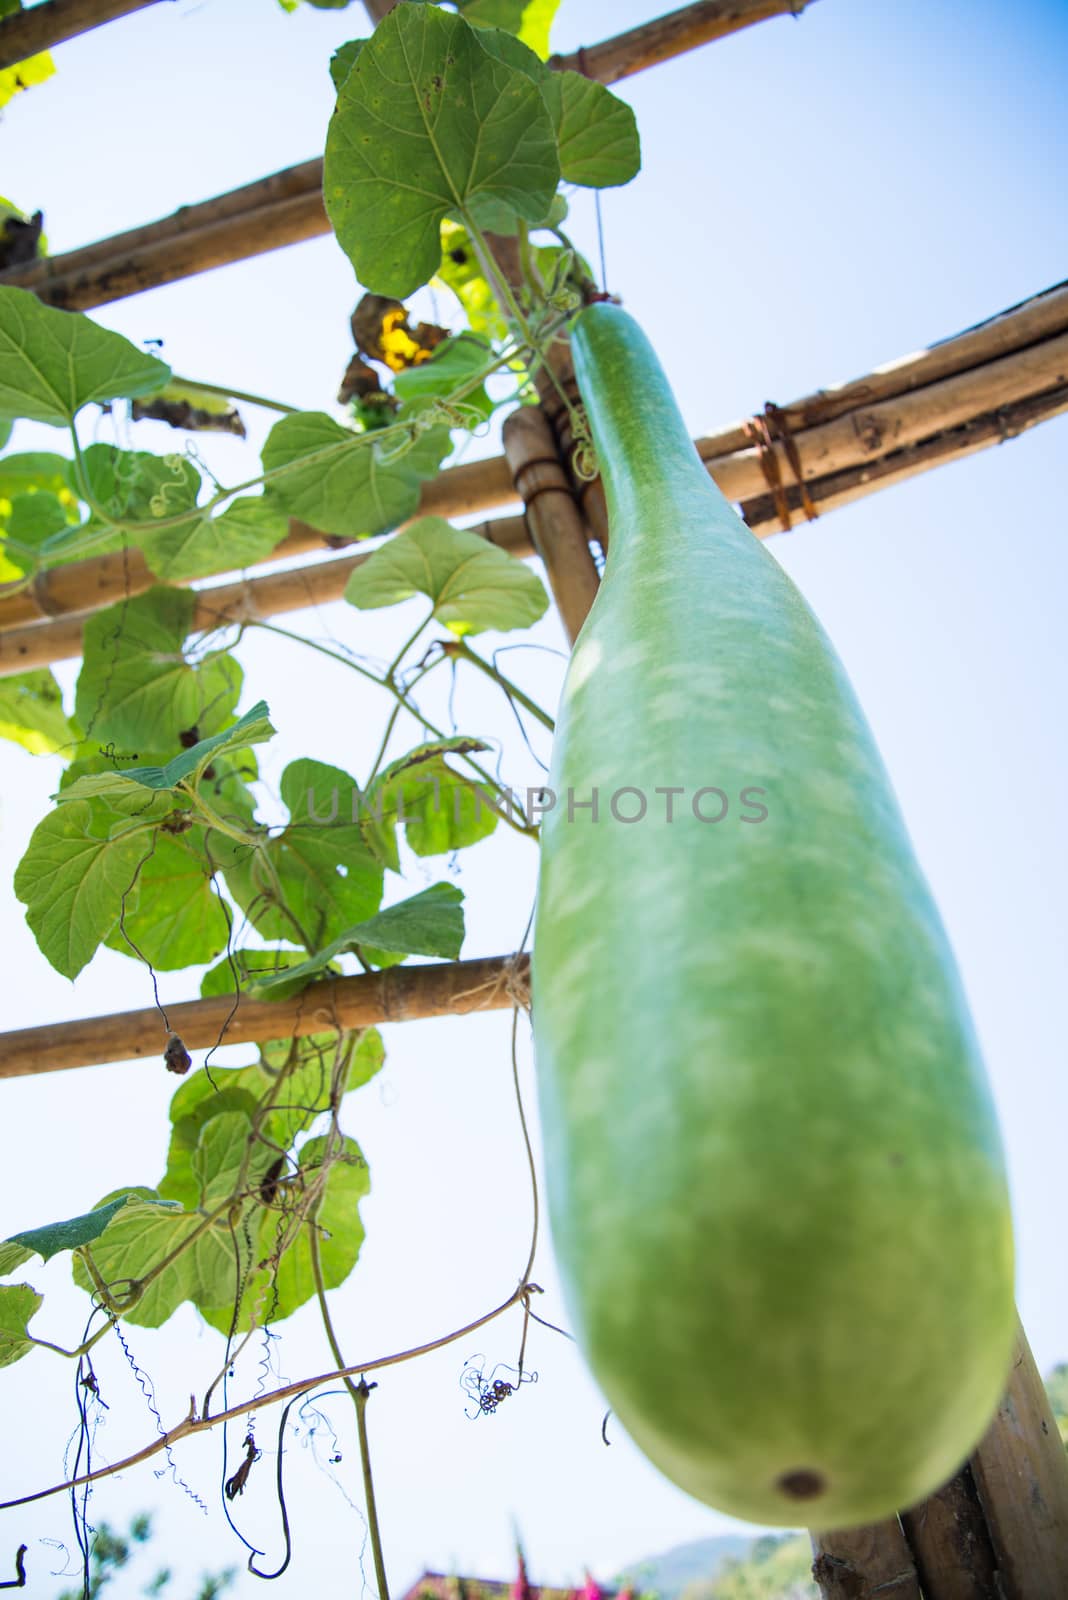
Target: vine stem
{"points": [[527, 829], [359, 1392], [192, 1424], [363, 1390], [458, 649], [195, 386]]}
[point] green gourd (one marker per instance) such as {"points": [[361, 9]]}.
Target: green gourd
{"points": [[774, 1173]]}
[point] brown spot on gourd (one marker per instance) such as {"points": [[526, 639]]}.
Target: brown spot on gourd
{"points": [[802, 1484]]}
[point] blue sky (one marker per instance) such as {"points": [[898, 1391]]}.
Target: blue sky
{"points": [[817, 197]]}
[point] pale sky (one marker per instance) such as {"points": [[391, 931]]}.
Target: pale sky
{"points": [[818, 197]]}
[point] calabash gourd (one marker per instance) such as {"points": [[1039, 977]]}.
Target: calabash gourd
{"points": [[774, 1174]]}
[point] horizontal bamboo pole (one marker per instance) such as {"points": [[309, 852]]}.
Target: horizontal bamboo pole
{"points": [[734, 462], [248, 600], [287, 207], [873, 431], [653, 42], [54, 22], [842, 488], [399, 994], [40, 644], [1033, 320]]}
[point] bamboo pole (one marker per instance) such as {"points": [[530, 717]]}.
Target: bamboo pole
{"points": [[842, 488], [653, 42], [872, 1563], [399, 994], [561, 537], [287, 208], [39, 644], [950, 1544], [54, 22], [99, 581], [1021, 1474], [895, 425], [246, 601]]}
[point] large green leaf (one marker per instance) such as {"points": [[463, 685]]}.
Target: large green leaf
{"points": [[297, 1073], [471, 584], [327, 874], [31, 712], [430, 923], [428, 125], [361, 487], [207, 1264], [596, 131], [54, 362], [72, 879], [137, 687], [173, 917], [439, 809], [18, 1302], [279, 1288]]}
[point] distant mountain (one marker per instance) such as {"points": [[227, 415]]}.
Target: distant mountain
{"points": [[668, 1574]]}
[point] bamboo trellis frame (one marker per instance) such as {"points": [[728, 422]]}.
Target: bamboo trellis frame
{"points": [[287, 207], [851, 440]]}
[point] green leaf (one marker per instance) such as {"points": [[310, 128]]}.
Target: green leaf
{"points": [[427, 126], [137, 687], [596, 131], [454, 362], [135, 486], [173, 917], [530, 20], [31, 712], [54, 362], [362, 487], [253, 967], [252, 728], [471, 584], [205, 1269], [439, 809], [245, 533], [327, 874], [276, 1291], [343, 60], [56, 1236], [12, 1257], [459, 271], [18, 1303], [72, 879], [297, 1073], [430, 923]]}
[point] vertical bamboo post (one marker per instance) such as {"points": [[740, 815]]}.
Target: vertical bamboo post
{"points": [[950, 1544], [1021, 1474], [871, 1563], [556, 526]]}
